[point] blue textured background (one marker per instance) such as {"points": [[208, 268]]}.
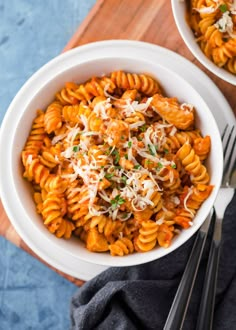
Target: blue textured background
{"points": [[31, 33]]}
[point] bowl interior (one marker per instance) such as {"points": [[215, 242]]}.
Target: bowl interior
{"points": [[42, 92], [179, 9]]}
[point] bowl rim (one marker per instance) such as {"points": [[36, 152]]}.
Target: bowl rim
{"points": [[178, 7], [46, 68]]}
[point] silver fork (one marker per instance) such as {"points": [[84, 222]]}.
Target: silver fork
{"points": [[180, 303], [224, 197]]}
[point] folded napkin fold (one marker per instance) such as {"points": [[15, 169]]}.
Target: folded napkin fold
{"points": [[140, 297]]}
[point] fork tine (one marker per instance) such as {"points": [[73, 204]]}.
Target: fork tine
{"points": [[229, 143], [225, 139]]}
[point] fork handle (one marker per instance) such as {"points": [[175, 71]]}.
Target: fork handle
{"points": [[180, 303], [206, 310]]}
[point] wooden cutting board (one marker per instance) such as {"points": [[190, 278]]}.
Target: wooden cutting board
{"points": [[146, 20]]}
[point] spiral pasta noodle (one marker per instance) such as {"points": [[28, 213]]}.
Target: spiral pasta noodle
{"points": [[141, 82], [147, 238], [35, 139], [190, 201], [117, 164], [52, 118], [192, 164], [121, 247], [214, 26]]}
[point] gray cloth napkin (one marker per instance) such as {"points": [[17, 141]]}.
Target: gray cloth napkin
{"points": [[140, 297]]}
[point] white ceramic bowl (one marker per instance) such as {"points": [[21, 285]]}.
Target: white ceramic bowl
{"points": [[78, 65], [179, 12]]}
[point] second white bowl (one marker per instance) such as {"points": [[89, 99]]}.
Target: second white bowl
{"points": [[179, 11]]}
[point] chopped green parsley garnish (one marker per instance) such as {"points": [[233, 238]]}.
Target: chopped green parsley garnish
{"points": [[159, 166], [117, 201], [223, 7], [129, 144], [143, 128], [117, 156], [108, 175], [76, 148], [107, 152], [137, 167], [152, 149], [123, 179]]}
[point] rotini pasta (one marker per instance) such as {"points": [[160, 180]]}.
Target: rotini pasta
{"points": [[117, 164], [214, 26], [121, 247]]}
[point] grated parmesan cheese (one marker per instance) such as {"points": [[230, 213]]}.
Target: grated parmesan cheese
{"points": [[58, 138], [173, 131], [206, 10], [160, 221], [225, 24], [175, 200], [133, 106], [232, 7], [101, 109], [190, 191], [137, 124], [29, 160], [107, 94], [187, 107], [73, 132]]}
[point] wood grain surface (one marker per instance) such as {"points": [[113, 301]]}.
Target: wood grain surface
{"points": [[146, 20]]}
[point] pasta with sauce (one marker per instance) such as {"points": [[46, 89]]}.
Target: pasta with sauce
{"points": [[117, 164], [214, 25]]}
